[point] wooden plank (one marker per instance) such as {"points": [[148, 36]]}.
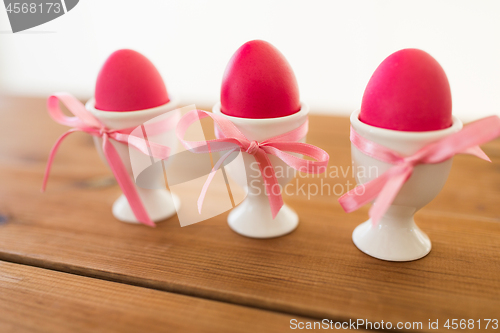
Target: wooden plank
{"points": [[39, 300], [316, 271]]}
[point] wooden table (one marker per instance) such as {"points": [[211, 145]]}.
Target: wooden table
{"points": [[66, 265]]}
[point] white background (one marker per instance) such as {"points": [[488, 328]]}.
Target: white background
{"points": [[333, 46]]}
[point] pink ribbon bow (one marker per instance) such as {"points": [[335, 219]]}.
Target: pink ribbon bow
{"points": [[86, 122], [230, 138], [387, 186]]}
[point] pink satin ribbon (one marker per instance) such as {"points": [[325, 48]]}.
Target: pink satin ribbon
{"points": [[84, 121], [230, 138], [385, 188]]}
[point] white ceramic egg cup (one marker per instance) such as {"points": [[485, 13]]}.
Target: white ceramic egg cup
{"points": [[252, 217], [160, 204], [396, 237]]}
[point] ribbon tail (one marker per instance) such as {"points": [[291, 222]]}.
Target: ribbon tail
{"points": [[363, 193], [125, 182], [211, 176], [52, 154], [478, 152], [384, 189], [389, 193], [270, 181]]}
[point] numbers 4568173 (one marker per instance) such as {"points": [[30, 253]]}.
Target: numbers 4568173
{"points": [[463, 324], [27, 7]]}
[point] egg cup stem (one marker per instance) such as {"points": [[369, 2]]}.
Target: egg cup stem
{"points": [[252, 218], [395, 237]]}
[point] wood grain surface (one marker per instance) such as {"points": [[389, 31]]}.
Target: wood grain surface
{"points": [[315, 271], [39, 300]]}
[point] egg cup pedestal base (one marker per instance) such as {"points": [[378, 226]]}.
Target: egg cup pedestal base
{"points": [[252, 219], [160, 205], [395, 237]]}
